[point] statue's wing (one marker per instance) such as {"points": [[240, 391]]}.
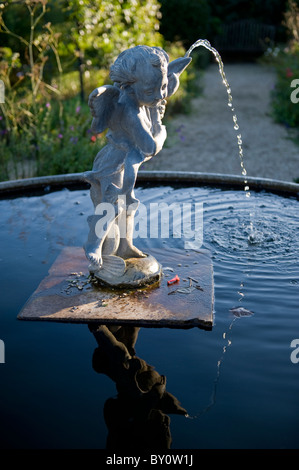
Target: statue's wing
{"points": [[102, 101], [175, 68]]}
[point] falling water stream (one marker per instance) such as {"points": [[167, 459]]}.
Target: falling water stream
{"points": [[205, 43], [251, 237]]}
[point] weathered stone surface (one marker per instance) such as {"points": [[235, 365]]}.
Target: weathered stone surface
{"points": [[68, 295]]}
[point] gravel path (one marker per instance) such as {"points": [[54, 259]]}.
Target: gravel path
{"points": [[206, 141]]}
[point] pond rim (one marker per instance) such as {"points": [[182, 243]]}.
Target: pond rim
{"points": [[22, 187]]}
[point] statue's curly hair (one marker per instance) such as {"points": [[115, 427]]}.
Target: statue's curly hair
{"points": [[126, 68]]}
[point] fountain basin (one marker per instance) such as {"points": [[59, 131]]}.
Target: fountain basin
{"points": [[75, 180], [240, 372]]}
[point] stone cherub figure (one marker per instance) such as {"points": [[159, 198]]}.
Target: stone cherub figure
{"points": [[132, 109]]}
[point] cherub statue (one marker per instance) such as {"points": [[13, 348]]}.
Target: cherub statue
{"points": [[132, 109]]}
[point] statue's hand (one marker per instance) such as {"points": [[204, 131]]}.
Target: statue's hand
{"points": [[157, 114], [160, 137], [161, 108]]}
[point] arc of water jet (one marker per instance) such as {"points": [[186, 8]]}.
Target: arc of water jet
{"points": [[205, 43]]}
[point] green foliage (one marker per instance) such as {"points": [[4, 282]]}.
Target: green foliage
{"points": [[101, 29], [69, 84], [34, 127], [286, 63], [62, 142], [94, 32], [67, 145], [44, 125]]}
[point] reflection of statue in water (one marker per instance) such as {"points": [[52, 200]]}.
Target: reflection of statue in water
{"points": [[132, 110], [138, 417]]}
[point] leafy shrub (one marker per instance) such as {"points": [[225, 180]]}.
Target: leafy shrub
{"points": [[44, 124], [286, 62]]}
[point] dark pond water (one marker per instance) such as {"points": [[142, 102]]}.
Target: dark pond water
{"points": [[237, 382]]}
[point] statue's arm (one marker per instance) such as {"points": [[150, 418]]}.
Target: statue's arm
{"points": [[149, 141], [158, 130]]}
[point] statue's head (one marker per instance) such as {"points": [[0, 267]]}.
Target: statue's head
{"points": [[147, 71], [143, 70]]}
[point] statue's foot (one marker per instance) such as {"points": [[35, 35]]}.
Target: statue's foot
{"points": [[95, 260], [93, 257], [131, 252]]}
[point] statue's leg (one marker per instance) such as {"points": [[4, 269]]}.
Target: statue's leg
{"points": [[131, 167], [126, 249], [96, 237], [128, 335], [101, 223], [132, 163]]}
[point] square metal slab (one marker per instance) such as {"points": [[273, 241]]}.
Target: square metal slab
{"points": [[68, 295]]}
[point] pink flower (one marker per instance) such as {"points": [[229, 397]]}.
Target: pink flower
{"points": [[48, 105], [1, 117], [78, 109], [93, 138], [60, 136], [289, 72]]}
